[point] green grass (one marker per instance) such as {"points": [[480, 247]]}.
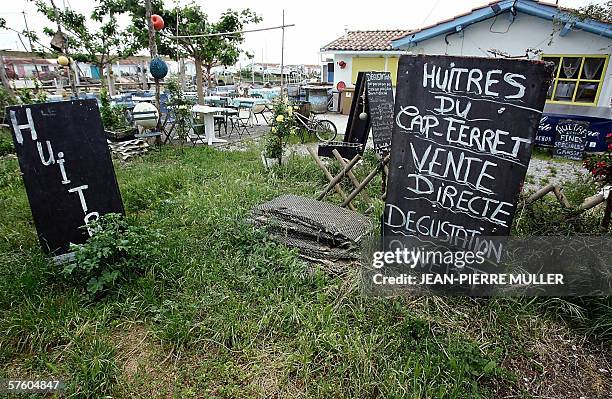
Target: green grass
{"points": [[225, 312]]}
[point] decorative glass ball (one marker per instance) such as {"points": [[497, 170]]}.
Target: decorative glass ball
{"points": [[158, 68], [363, 116], [158, 22], [63, 60]]}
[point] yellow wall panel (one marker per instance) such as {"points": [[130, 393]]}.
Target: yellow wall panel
{"points": [[392, 67], [363, 64]]}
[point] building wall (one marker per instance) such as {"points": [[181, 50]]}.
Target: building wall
{"points": [[525, 32], [360, 63], [344, 75]]}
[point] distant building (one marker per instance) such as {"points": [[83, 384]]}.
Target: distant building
{"points": [[22, 68]]}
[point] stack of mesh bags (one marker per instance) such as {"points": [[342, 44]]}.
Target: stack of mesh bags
{"points": [[319, 230]]}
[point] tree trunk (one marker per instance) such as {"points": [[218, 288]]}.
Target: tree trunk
{"points": [[102, 77], [152, 43], [111, 80], [209, 77], [199, 81], [143, 76]]}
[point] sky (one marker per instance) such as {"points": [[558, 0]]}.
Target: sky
{"points": [[317, 22]]}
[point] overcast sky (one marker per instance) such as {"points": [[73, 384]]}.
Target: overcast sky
{"points": [[317, 21]]}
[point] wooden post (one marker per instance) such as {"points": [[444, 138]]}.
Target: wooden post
{"points": [[282, 83], [72, 82], [153, 49], [25, 20]]}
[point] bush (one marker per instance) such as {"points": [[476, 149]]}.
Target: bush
{"points": [[117, 252], [283, 125], [113, 116], [6, 143], [6, 100]]}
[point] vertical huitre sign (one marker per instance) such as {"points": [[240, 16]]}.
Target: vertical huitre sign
{"points": [[379, 95], [570, 139], [67, 169], [462, 140]]}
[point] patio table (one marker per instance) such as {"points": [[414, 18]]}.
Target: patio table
{"points": [[209, 121], [251, 100]]}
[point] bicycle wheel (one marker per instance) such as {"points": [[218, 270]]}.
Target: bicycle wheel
{"points": [[325, 130]]}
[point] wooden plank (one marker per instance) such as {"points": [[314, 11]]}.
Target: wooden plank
{"points": [[339, 176], [350, 174], [329, 176]]}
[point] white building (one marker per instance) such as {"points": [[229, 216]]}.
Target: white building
{"points": [[525, 29]]}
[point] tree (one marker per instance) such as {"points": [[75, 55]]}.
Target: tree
{"points": [[206, 52], [102, 46], [596, 11]]}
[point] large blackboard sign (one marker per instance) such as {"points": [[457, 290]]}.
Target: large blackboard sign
{"points": [[570, 139], [67, 169], [461, 144], [379, 96]]}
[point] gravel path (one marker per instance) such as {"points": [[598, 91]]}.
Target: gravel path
{"points": [[543, 172]]}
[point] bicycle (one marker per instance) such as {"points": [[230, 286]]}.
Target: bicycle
{"points": [[324, 129]]}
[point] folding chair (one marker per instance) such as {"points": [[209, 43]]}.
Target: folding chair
{"points": [[259, 109], [196, 130], [221, 116], [239, 121]]}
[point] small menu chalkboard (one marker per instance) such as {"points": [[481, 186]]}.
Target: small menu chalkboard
{"points": [[379, 95], [67, 169], [570, 139], [462, 141]]}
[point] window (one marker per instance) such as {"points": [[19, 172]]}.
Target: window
{"points": [[578, 78]]}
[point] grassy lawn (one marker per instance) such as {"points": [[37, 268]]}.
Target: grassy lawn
{"points": [[224, 312]]}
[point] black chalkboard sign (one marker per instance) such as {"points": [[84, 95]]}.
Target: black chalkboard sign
{"points": [[570, 139], [379, 97], [462, 141], [67, 169]]}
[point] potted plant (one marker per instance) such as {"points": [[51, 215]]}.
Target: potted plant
{"points": [[283, 124]]}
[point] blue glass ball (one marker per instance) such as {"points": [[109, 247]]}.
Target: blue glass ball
{"points": [[158, 68]]}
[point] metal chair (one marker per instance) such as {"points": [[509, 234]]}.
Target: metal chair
{"points": [[239, 121], [197, 131], [260, 109], [220, 117]]}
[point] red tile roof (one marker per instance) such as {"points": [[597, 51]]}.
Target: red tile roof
{"points": [[366, 40]]}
